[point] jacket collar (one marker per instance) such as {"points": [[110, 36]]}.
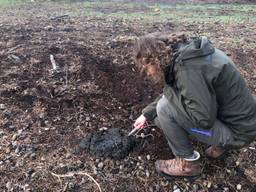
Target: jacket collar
{"points": [[198, 47]]}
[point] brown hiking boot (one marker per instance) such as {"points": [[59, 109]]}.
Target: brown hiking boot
{"points": [[178, 167], [215, 152]]}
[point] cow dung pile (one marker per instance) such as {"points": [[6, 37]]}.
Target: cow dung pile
{"points": [[110, 143]]}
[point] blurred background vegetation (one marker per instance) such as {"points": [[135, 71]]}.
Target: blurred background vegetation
{"points": [[148, 12]]}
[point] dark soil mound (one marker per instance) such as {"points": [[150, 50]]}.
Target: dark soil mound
{"points": [[112, 143]]}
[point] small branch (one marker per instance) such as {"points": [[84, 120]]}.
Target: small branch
{"points": [[54, 66], [72, 174], [59, 17], [13, 48], [66, 74], [143, 136], [58, 178]]}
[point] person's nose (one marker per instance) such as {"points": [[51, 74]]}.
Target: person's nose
{"points": [[151, 71]]}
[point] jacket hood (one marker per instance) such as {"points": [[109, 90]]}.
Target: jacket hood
{"points": [[198, 47]]}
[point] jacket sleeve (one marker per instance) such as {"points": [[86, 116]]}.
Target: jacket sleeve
{"points": [[150, 111], [197, 100]]}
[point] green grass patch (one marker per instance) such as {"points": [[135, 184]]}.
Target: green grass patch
{"points": [[225, 13], [109, 4], [6, 3]]}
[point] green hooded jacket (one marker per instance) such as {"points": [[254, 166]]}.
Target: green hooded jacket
{"points": [[208, 86]]}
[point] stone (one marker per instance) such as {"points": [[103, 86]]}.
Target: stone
{"points": [[147, 173], [19, 132], [68, 155], [103, 129], [8, 185], [239, 187], [100, 165], [87, 118], [12, 168], [12, 127], [71, 185], [14, 144], [8, 150], [195, 187], [5, 137], [20, 163], [209, 185], [14, 137], [33, 156], [17, 150], [177, 190], [2, 106], [26, 155], [164, 183], [95, 170]]}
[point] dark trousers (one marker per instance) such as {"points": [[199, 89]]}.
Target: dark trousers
{"points": [[178, 130]]}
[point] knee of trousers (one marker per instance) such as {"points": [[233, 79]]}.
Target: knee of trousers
{"points": [[162, 107]]}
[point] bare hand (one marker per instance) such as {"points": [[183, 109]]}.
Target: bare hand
{"points": [[140, 122]]}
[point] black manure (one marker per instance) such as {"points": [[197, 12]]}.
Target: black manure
{"points": [[111, 143]]}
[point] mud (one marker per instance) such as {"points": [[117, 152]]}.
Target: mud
{"points": [[111, 143]]}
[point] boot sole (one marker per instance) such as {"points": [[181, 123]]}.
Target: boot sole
{"points": [[170, 177], [222, 156]]}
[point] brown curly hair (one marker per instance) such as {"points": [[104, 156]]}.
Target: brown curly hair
{"points": [[157, 50]]}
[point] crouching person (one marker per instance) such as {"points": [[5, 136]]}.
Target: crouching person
{"points": [[204, 98]]}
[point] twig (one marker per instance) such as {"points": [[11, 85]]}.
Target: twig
{"points": [[136, 131], [66, 75], [179, 186], [142, 135], [59, 17], [58, 178], [231, 186], [72, 174], [13, 48], [54, 66]]}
